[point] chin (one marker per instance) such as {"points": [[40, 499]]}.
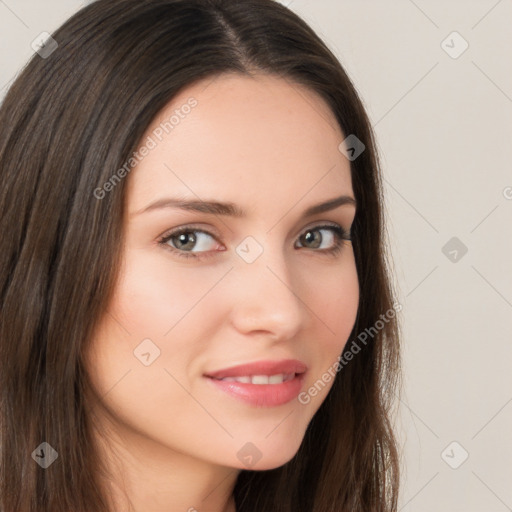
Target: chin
{"points": [[252, 459]]}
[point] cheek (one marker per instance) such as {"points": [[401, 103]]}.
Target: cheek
{"points": [[154, 311], [334, 305], [336, 300], [155, 296], [161, 308], [154, 302], [345, 305]]}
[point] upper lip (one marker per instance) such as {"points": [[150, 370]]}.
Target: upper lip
{"points": [[261, 368]]}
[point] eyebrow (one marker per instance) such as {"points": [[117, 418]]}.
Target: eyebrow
{"points": [[233, 210]]}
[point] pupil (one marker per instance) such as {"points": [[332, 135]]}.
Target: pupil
{"points": [[183, 238], [310, 236]]}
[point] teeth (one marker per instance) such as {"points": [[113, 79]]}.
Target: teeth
{"points": [[245, 380], [276, 379], [261, 379]]}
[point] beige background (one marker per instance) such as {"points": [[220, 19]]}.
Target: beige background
{"points": [[444, 127]]}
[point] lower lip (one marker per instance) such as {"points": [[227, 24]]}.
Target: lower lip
{"points": [[262, 395]]}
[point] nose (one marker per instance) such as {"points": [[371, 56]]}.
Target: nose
{"points": [[265, 299]]}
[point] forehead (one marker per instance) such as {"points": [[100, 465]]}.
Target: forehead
{"points": [[237, 137]]}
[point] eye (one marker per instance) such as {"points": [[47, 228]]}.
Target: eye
{"points": [[336, 236], [182, 240]]}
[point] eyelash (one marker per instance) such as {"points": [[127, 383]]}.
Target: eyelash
{"points": [[340, 233]]}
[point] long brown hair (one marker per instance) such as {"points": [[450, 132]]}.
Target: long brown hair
{"points": [[68, 123]]}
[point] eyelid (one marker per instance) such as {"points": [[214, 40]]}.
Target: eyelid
{"points": [[327, 223], [210, 230]]}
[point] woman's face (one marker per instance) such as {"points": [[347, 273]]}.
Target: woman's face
{"points": [[265, 286]]}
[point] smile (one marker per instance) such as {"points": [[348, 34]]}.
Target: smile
{"points": [[261, 379]]}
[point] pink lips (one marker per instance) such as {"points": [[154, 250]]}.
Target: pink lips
{"points": [[261, 395], [261, 368]]}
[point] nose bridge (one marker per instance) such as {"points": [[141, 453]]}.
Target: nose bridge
{"points": [[265, 291]]}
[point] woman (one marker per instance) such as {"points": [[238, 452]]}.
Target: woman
{"points": [[196, 310]]}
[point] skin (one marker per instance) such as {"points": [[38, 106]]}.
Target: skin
{"points": [[271, 147]]}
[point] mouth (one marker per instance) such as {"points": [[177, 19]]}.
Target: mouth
{"points": [[261, 384], [277, 378], [285, 369]]}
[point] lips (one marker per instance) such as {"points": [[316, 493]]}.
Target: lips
{"points": [[286, 368], [262, 383]]}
